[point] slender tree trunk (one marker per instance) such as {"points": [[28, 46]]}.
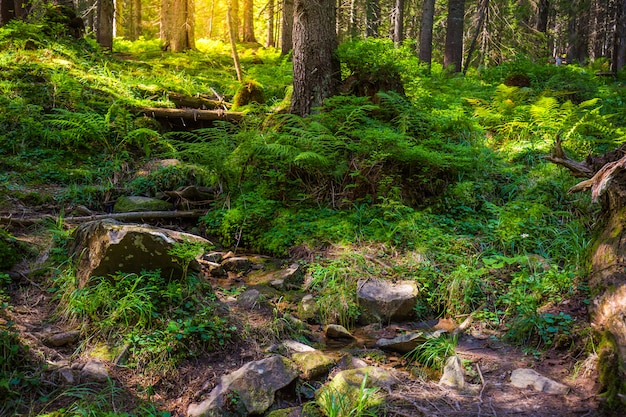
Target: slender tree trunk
{"points": [[211, 19], [372, 18], [353, 20], [233, 39], [619, 46], [104, 29], [135, 18], [426, 32], [270, 24], [480, 21], [316, 70], [235, 18], [248, 21], [453, 53], [398, 22], [177, 24], [286, 35]]}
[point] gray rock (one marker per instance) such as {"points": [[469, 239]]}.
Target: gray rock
{"points": [[525, 378], [137, 203], [61, 339], [308, 309], [453, 374], [278, 284], [350, 362], [313, 364], [67, 376], [214, 257], [292, 276], [104, 247], [248, 390], [251, 299], [336, 331], [287, 412], [384, 301], [407, 342], [236, 264], [94, 371]]}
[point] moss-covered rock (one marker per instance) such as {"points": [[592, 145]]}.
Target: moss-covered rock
{"points": [[313, 364]]}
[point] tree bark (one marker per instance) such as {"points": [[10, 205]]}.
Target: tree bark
{"points": [[316, 69], [543, 12], [104, 29], [286, 33], [248, 21], [177, 24], [453, 53], [619, 45], [426, 32], [480, 21]]}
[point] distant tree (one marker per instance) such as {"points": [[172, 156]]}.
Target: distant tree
{"points": [[11, 9], [543, 13], [619, 46], [128, 19], [398, 22], [270, 23], [316, 70], [286, 31], [104, 23], [177, 24], [426, 32], [372, 18], [248, 21], [453, 52]]}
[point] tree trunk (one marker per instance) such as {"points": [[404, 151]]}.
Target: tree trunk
{"points": [[426, 32], [230, 20], [104, 29], [270, 24], [453, 53], [372, 18], [543, 12], [248, 21], [316, 70], [286, 33], [177, 25], [619, 45], [607, 279], [398, 22], [135, 20], [480, 21]]}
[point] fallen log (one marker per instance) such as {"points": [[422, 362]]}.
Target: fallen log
{"points": [[131, 216], [191, 114], [196, 102]]}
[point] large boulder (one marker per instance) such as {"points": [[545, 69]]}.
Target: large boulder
{"points": [[247, 391], [381, 300], [104, 247]]}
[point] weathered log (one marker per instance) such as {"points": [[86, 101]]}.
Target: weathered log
{"points": [[191, 114], [131, 216], [196, 102], [578, 169]]}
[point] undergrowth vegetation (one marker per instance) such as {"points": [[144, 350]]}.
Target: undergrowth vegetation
{"points": [[444, 185]]}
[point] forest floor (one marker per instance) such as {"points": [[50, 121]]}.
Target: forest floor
{"points": [[488, 362]]}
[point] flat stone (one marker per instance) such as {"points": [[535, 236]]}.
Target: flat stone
{"points": [[529, 378], [236, 264], [383, 301], [94, 371], [336, 331], [313, 364], [62, 338], [408, 341], [253, 386]]}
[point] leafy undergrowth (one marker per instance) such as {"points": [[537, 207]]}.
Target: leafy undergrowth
{"points": [[445, 186]]}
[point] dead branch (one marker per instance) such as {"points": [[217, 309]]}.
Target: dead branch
{"points": [[600, 182], [132, 216], [557, 156], [196, 102]]}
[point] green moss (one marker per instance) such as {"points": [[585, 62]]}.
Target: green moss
{"points": [[610, 371]]}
